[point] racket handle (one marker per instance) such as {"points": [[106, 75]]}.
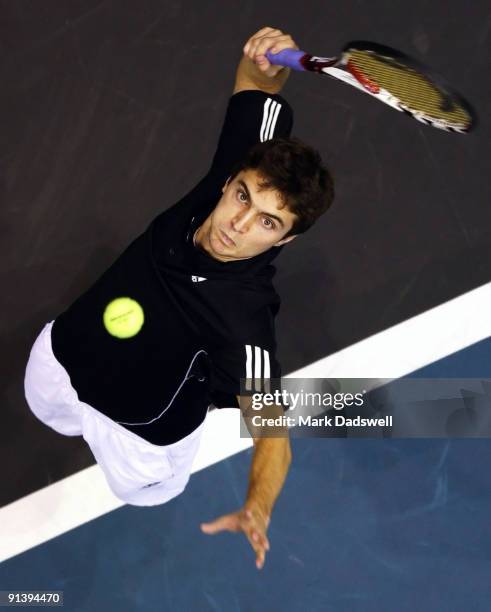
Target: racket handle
{"points": [[290, 58]]}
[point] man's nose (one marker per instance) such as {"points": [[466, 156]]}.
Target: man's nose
{"points": [[242, 222]]}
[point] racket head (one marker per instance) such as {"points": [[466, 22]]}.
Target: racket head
{"points": [[415, 89]]}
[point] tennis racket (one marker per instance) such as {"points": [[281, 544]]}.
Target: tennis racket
{"points": [[391, 77]]}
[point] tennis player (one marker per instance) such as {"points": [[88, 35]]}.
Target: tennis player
{"points": [[202, 274]]}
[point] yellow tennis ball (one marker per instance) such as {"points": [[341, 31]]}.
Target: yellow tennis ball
{"points": [[123, 317]]}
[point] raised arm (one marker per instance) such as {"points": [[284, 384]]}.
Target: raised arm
{"points": [[254, 70]]}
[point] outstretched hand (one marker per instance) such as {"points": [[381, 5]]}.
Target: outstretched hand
{"points": [[252, 522]]}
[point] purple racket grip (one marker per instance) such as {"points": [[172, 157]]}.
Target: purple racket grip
{"points": [[290, 58]]}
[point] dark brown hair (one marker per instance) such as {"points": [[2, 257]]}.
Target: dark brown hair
{"points": [[296, 171]]}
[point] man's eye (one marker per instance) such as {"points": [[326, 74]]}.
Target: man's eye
{"points": [[268, 224], [242, 193]]}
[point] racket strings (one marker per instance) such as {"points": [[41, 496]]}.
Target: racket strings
{"points": [[411, 87]]}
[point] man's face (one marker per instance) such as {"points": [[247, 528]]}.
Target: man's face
{"points": [[246, 221]]}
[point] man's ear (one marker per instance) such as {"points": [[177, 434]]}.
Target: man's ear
{"points": [[285, 240], [226, 185]]}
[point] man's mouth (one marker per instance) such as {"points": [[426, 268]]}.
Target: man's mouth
{"points": [[225, 239]]}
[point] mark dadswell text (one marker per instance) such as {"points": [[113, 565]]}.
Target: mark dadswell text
{"points": [[325, 421], [341, 421]]}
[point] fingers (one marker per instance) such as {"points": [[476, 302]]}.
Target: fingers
{"points": [[252, 523], [267, 39], [260, 547], [255, 530], [255, 37], [227, 522]]}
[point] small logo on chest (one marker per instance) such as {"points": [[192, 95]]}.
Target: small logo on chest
{"points": [[197, 279]]}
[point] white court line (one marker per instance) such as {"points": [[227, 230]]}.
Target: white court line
{"points": [[393, 353]]}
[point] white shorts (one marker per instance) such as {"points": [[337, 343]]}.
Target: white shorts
{"points": [[138, 472]]}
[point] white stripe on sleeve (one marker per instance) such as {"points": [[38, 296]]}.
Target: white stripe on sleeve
{"points": [[271, 111], [273, 122], [267, 104], [270, 118], [258, 367], [257, 363], [267, 372], [248, 384]]}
